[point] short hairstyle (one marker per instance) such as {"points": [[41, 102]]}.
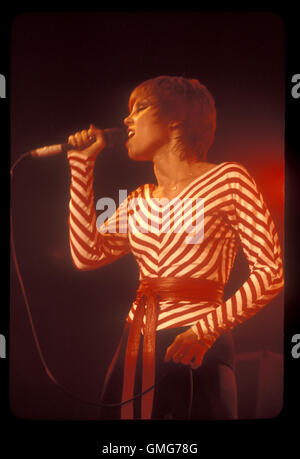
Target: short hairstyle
{"points": [[187, 102]]}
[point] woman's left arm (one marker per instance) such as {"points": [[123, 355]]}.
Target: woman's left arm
{"points": [[250, 218]]}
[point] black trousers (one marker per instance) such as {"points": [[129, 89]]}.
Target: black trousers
{"points": [[212, 386]]}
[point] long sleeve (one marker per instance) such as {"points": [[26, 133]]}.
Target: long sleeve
{"points": [[249, 217], [91, 247]]}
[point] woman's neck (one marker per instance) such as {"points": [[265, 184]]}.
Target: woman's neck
{"points": [[170, 169]]}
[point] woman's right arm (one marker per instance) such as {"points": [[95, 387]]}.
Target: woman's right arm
{"points": [[89, 248]]}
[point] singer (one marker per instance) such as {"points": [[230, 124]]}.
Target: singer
{"points": [[175, 359]]}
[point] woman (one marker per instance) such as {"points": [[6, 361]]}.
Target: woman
{"points": [[176, 358]]}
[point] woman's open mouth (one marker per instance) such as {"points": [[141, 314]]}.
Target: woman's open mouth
{"points": [[130, 133]]}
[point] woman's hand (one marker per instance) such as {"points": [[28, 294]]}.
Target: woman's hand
{"points": [[89, 142], [186, 349]]}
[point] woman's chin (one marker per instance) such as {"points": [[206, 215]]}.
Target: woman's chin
{"points": [[138, 156]]}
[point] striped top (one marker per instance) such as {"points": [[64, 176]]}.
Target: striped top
{"points": [[195, 235]]}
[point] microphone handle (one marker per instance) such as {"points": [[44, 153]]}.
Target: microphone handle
{"points": [[114, 137], [51, 150]]}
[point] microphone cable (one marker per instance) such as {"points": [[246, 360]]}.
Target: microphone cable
{"points": [[21, 157], [36, 340]]}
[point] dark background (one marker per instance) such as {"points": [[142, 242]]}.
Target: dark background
{"points": [[68, 70]]}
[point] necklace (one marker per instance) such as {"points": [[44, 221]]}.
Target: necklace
{"points": [[188, 177], [175, 187]]}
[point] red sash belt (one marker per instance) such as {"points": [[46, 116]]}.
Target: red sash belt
{"points": [[149, 293]]}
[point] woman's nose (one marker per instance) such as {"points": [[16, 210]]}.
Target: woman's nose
{"points": [[127, 121]]}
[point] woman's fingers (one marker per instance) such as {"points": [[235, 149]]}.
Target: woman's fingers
{"points": [[198, 358], [86, 141], [186, 352], [181, 353], [80, 139], [89, 142], [172, 350], [72, 140], [92, 132], [189, 355]]}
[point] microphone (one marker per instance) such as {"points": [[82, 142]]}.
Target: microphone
{"points": [[114, 137]]}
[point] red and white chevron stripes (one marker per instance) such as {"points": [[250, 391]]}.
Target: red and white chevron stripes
{"points": [[196, 234]]}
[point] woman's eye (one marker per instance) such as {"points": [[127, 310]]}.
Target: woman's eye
{"points": [[140, 108]]}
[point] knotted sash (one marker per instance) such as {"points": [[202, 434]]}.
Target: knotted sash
{"points": [[149, 293]]}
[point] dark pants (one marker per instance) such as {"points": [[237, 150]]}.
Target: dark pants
{"points": [[212, 386]]}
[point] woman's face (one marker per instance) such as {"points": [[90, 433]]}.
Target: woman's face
{"points": [[146, 134]]}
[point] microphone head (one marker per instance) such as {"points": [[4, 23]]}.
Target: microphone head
{"points": [[115, 137]]}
